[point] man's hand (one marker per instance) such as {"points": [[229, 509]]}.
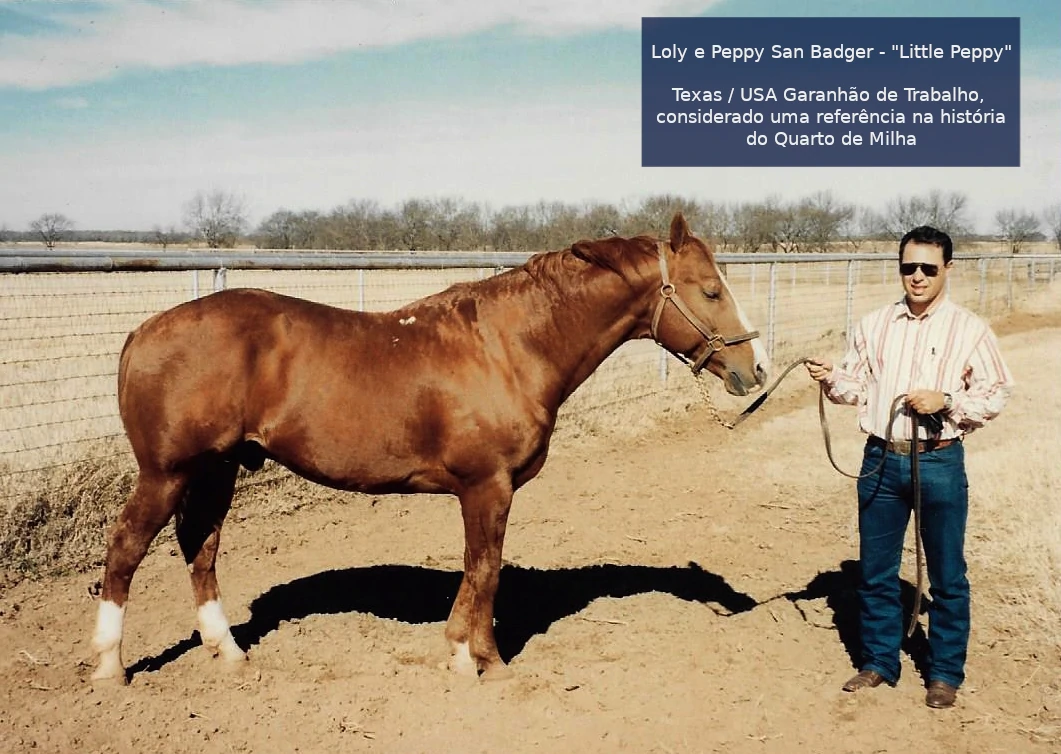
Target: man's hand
{"points": [[819, 369], [925, 401]]}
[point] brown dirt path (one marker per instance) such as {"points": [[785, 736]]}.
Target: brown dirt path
{"points": [[671, 588]]}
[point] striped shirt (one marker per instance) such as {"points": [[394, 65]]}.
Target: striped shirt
{"points": [[947, 348]]}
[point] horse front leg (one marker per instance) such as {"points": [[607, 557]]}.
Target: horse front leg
{"points": [[470, 629]]}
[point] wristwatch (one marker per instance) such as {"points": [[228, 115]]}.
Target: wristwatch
{"points": [[948, 401]]}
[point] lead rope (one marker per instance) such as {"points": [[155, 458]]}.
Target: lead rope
{"points": [[915, 471]]}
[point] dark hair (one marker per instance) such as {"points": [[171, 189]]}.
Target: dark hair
{"points": [[926, 234]]}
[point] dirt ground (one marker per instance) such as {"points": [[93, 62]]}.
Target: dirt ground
{"points": [[670, 586]]}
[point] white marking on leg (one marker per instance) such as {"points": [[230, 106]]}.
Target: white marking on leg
{"points": [[215, 632], [107, 641], [461, 661]]}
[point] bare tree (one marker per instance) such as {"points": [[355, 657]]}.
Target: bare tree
{"points": [[946, 212], [218, 218], [278, 231], [858, 227], [1016, 228], [165, 237], [826, 219], [717, 225], [756, 225], [1052, 218], [51, 228]]}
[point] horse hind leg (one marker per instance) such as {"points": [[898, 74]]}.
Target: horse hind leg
{"points": [[199, 522], [150, 506], [470, 628]]}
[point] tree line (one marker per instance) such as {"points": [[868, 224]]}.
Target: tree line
{"points": [[819, 222]]}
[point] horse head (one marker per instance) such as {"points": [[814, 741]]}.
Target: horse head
{"points": [[697, 318]]}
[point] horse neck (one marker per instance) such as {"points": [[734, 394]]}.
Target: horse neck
{"points": [[575, 321]]}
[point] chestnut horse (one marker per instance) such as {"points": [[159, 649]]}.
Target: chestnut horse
{"points": [[455, 393]]}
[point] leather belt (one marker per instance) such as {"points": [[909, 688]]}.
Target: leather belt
{"points": [[903, 447]]}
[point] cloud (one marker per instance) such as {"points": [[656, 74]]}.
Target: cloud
{"points": [[71, 103], [129, 35]]}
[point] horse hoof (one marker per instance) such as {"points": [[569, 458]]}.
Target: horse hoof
{"points": [[461, 662], [107, 677], [462, 667], [499, 671], [228, 650]]}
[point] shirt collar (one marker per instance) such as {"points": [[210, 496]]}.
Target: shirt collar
{"points": [[901, 310]]}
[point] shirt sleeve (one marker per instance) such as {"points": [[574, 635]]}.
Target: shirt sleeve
{"points": [[847, 382], [987, 384]]}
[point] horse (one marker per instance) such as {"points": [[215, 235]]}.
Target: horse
{"points": [[455, 393]]}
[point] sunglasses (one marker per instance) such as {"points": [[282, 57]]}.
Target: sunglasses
{"points": [[909, 268]]}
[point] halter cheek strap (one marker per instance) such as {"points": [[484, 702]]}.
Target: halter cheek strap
{"points": [[715, 342]]}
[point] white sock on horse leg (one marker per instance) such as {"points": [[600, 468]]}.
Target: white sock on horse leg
{"points": [[215, 631], [107, 640]]}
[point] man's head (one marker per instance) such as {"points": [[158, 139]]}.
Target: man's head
{"points": [[924, 261]]}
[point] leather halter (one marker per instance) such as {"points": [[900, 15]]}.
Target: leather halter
{"points": [[715, 342]]}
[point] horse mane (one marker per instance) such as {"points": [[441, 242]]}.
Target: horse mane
{"points": [[609, 253], [612, 254], [553, 269]]}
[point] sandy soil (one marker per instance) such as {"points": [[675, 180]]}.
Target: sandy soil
{"points": [[670, 586]]}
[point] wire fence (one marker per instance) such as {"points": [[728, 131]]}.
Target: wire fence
{"points": [[61, 331]]}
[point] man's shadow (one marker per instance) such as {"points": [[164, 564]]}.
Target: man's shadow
{"points": [[839, 589], [529, 600]]}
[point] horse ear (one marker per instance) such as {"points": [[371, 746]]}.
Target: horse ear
{"points": [[679, 231]]}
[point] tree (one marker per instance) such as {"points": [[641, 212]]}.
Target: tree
{"points": [[278, 231], [1016, 228], [1052, 218], [51, 228], [218, 218], [946, 212], [165, 237]]}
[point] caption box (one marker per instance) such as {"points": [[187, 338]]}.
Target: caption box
{"points": [[860, 92]]}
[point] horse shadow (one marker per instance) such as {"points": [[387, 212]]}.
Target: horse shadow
{"points": [[529, 600]]}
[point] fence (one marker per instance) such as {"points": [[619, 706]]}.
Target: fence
{"points": [[64, 318]]}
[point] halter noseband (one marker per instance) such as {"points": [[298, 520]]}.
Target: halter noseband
{"points": [[715, 342]]}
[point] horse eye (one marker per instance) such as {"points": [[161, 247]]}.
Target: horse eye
{"points": [[712, 295]]}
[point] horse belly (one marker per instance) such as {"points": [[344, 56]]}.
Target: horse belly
{"points": [[356, 454]]}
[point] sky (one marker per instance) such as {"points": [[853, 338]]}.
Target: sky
{"points": [[116, 113]]}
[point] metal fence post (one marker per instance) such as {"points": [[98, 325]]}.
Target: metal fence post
{"points": [[850, 309], [771, 318], [1009, 285], [195, 284], [220, 279], [983, 284]]}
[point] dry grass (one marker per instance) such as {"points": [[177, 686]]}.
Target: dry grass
{"points": [[62, 528]]}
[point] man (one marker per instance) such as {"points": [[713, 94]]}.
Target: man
{"points": [[946, 362]]}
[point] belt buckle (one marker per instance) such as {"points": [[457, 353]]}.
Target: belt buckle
{"points": [[901, 447]]}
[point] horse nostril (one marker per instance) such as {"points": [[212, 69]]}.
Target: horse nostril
{"points": [[761, 374]]}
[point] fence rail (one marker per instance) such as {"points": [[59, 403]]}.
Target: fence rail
{"points": [[64, 317]]}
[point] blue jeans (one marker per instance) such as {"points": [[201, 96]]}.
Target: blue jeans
{"points": [[885, 501]]}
